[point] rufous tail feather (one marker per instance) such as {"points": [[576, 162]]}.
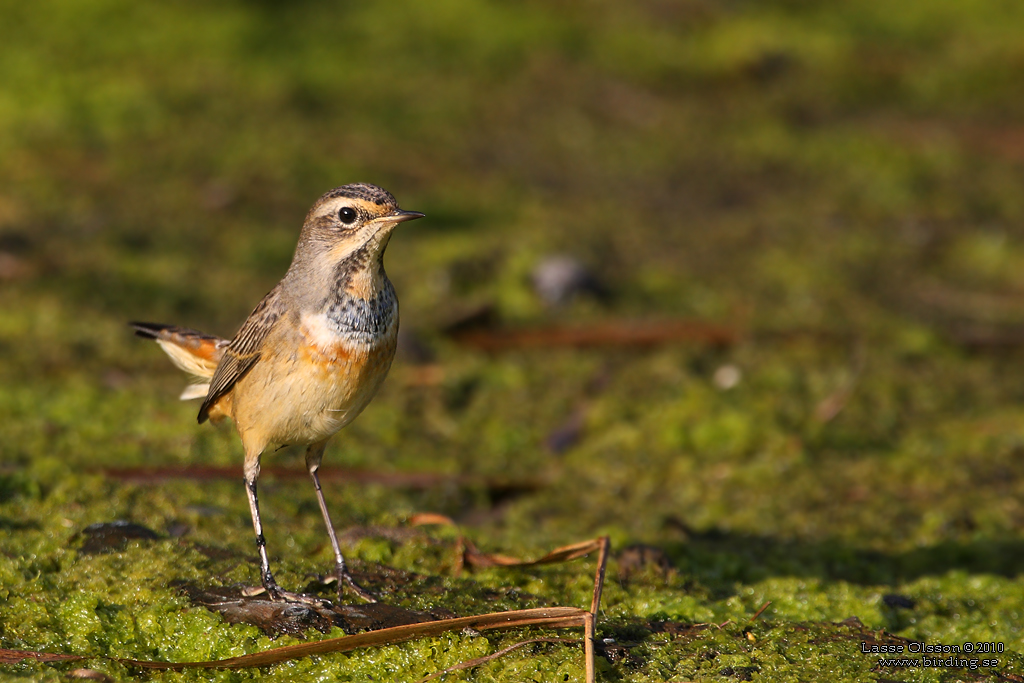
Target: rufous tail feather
{"points": [[194, 352]]}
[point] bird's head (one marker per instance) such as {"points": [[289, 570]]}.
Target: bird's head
{"points": [[347, 230], [353, 217]]}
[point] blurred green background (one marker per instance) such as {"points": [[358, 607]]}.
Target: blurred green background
{"points": [[842, 184]]}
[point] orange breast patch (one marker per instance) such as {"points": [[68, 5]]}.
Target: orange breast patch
{"points": [[335, 354], [330, 353]]}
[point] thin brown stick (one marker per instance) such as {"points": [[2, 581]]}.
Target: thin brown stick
{"points": [[569, 552], [551, 617], [588, 647], [760, 611], [602, 564], [18, 656], [590, 624]]}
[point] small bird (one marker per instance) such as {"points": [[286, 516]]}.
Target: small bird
{"points": [[310, 356]]}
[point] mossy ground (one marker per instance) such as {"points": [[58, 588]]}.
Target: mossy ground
{"points": [[840, 181]]}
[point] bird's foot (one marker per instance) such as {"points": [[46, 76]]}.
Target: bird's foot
{"points": [[344, 579], [303, 598], [277, 594]]}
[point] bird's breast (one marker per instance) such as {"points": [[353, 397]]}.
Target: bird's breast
{"points": [[361, 320], [351, 341], [319, 374]]}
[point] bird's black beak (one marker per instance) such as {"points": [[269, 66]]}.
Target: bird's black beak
{"points": [[399, 216]]}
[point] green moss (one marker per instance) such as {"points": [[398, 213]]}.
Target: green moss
{"points": [[840, 182]]}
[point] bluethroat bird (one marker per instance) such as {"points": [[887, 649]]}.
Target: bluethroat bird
{"points": [[312, 354]]}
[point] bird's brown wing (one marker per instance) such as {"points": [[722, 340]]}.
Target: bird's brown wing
{"points": [[244, 350]]}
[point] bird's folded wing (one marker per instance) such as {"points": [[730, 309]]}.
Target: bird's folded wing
{"points": [[244, 350]]}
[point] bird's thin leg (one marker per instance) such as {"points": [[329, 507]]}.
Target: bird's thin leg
{"points": [[252, 473], [274, 591], [314, 455]]}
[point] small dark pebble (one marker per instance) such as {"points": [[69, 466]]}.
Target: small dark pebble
{"points": [[740, 673], [897, 601], [104, 537]]}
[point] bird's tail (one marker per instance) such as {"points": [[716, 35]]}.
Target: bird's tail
{"points": [[194, 352]]}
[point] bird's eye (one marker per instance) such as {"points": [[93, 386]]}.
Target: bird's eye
{"points": [[347, 214]]}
